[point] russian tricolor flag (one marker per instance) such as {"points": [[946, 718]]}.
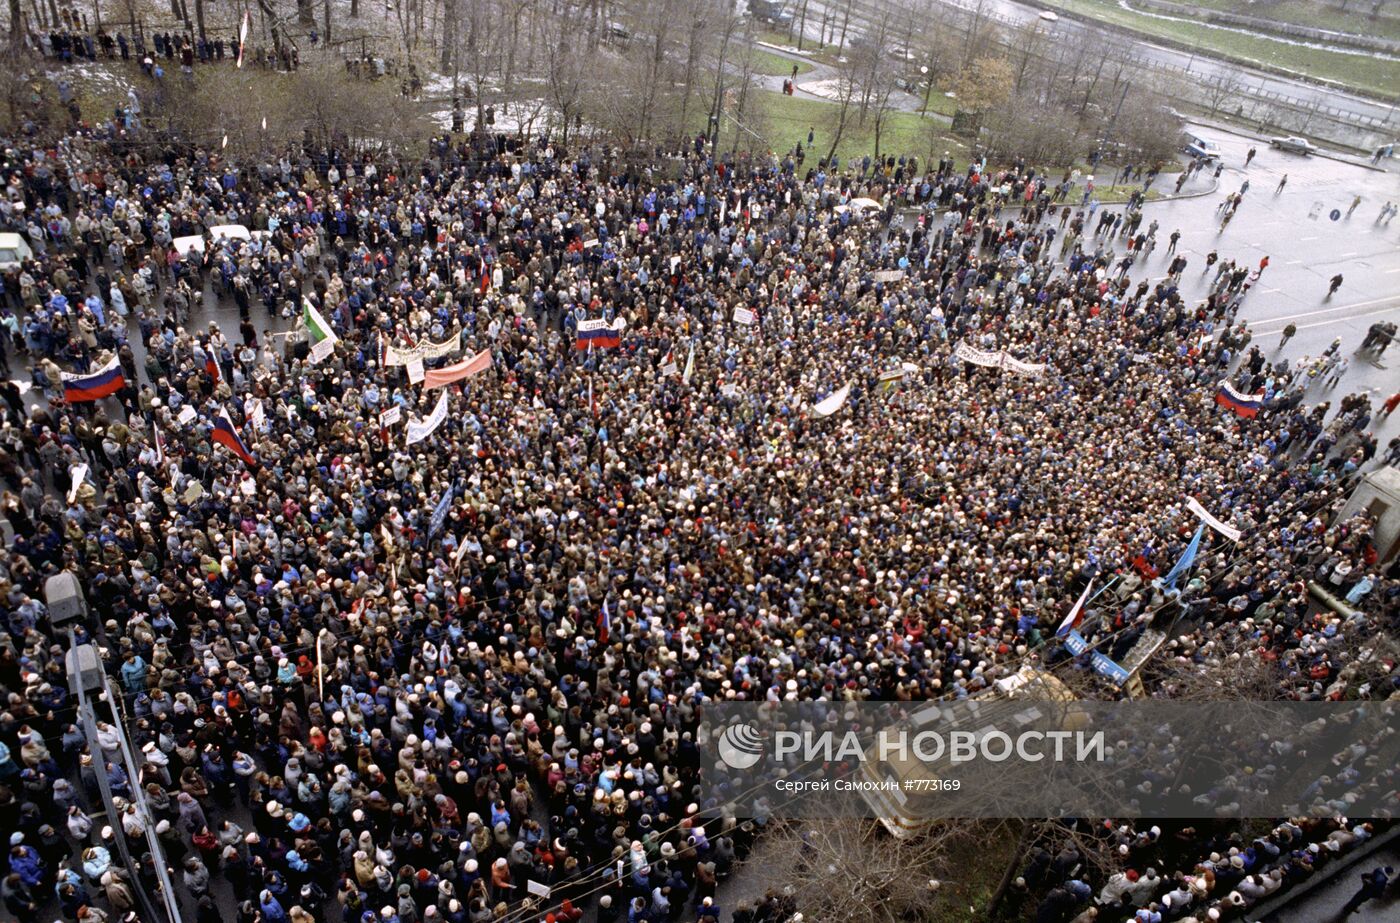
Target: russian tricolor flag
{"points": [[598, 334], [96, 385], [604, 624], [1076, 615], [1246, 405], [226, 435]]}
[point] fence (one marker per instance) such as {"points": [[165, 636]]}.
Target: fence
{"points": [[1266, 26], [1256, 105]]}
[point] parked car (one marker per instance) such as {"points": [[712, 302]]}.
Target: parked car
{"points": [[13, 251], [1294, 145], [773, 12], [1197, 146]]}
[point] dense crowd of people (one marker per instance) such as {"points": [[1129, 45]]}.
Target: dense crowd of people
{"points": [[70, 40], [1186, 873], [443, 673]]}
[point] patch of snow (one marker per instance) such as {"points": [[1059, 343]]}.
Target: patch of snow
{"points": [[827, 89], [786, 49], [510, 117], [89, 72]]}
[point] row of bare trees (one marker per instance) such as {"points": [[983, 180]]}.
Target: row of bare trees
{"points": [[642, 72]]}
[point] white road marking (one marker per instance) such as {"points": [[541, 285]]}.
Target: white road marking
{"points": [[1345, 307], [1292, 262], [1307, 238], [1342, 320]]}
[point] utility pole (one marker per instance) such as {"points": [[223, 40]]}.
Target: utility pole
{"points": [[87, 679]]}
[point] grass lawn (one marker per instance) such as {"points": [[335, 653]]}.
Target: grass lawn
{"points": [[1356, 19], [979, 872], [1361, 71], [766, 62], [813, 50], [783, 121]]}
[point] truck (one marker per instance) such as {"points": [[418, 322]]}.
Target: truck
{"points": [[899, 808]]}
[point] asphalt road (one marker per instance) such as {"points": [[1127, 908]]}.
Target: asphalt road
{"points": [[1305, 249], [1012, 13], [1326, 902]]}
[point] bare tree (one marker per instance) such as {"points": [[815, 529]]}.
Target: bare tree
{"points": [[481, 55], [654, 71], [694, 47], [731, 25], [877, 71], [851, 870], [1220, 87], [16, 26], [565, 77], [847, 83]]}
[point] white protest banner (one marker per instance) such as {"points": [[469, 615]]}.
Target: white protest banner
{"points": [[393, 355], [892, 375], [445, 348], [420, 430], [830, 405], [185, 415], [77, 473], [248, 486], [414, 367], [534, 887], [729, 390], [257, 414], [391, 416], [1229, 532], [977, 356], [887, 275], [744, 316], [396, 355], [1019, 367], [996, 359], [322, 350]]}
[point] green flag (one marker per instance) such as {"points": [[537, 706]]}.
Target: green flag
{"points": [[315, 324], [322, 337]]}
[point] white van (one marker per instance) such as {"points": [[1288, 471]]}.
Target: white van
{"points": [[198, 242], [1198, 146], [13, 251]]}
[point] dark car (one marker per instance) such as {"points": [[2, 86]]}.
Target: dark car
{"points": [[1294, 145]]}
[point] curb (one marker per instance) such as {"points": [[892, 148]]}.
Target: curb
{"points": [[1272, 906], [1237, 129], [1179, 45]]}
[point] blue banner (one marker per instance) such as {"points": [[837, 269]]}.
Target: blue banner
{"points": [[1075, 642], [1109, 670], [440, 512], [1188, 558]]}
